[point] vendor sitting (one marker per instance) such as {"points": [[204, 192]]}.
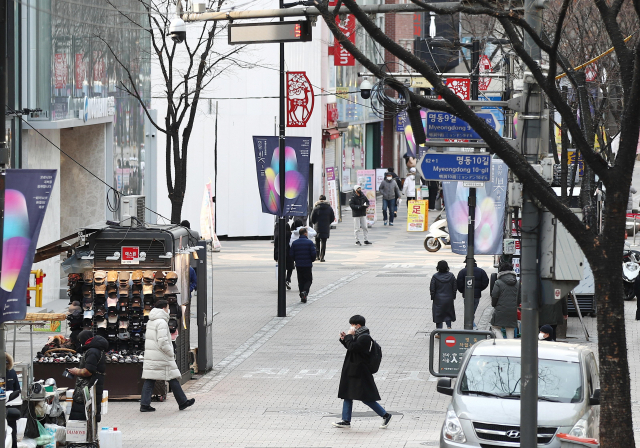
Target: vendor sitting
{"points": [[90, 372]]}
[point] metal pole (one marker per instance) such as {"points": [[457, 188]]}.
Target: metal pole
{"points": [[469, 280], [529, 262], [282, 221], [4, 161]]}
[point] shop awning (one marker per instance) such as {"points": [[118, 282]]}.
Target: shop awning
{"points": [[331, 134]]}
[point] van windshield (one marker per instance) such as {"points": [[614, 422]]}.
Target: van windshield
{"points": [[499, 376]]}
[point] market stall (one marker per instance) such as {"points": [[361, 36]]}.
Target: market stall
{"points": [[115, 277]]}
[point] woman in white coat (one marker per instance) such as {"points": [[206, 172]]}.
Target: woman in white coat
{"points": [[159, 360]]}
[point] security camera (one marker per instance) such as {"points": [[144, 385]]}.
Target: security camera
{"points": [[178, 30], [365, 89]]}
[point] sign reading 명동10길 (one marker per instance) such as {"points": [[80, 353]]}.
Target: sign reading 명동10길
{"points": [[417, 215], [442, 166], [300, 99]]}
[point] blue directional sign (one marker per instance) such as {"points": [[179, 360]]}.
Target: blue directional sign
{"points": [[401, 121], [443, 166], [444, 125]]}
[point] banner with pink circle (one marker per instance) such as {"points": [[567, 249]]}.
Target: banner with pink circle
{"points": [[490, 207], [26, 197], [297, 152]]}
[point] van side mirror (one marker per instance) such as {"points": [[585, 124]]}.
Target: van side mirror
{"points": [[444, 386], [594, 399]]}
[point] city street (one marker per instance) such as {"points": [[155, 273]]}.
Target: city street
{"points": [[275, 380]]}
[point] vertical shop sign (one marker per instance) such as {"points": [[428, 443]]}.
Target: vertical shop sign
{"points": [[26, 197], [341, 57], [297, 152], [60, 71], [332, 192], [300, 99], [79, 71], [362, 161], [332, 115], [367, 180], [417, 215]]}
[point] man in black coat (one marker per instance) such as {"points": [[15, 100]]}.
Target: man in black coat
{"points": [[303, 252], [290, 265], [321, 217], [359, 204], [92, 365], [356, 381], [481, 282]]}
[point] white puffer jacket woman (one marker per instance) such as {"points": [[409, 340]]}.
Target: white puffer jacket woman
{"points": [[159, 360]]}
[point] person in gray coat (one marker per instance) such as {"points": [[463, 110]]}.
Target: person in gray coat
{"points": [[505, 298], [390, 192], [443, 293]]}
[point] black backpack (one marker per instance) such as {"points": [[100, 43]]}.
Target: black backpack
{"points": [[375, 356]]}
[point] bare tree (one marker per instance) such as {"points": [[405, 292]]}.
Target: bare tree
{"points": [[187, 69], [603, 250]]}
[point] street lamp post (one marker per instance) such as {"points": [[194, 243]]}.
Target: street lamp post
{"points": [[282, 220]]}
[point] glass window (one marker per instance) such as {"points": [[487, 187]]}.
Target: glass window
{"points": [[499, 376]]}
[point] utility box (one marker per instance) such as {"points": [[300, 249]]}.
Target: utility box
{"points": [[561, 259]]}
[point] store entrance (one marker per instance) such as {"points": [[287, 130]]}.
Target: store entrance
{"points": [[373, 142]]}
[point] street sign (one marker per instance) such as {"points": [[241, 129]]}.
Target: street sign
{"points": [[473, 184], [453, 345], [444, 125], [447, 166], [269, 32]]}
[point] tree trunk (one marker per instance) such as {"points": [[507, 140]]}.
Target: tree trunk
{"points": [[615, 394]]}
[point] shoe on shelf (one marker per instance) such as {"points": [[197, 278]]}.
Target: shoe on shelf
{"points": [[342, 424], [146, 408], [359, 244], [367, 242], [386, 418], [287, 284], [186, 404]]}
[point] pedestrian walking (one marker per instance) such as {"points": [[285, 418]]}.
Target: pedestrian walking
{"points": [[303, 252], [443, 293], [397, 179], [90, 371], [409, 188], [295, 229], [356, 380], [359, 204], [505, 298], [553, 315], [481, 282], [390, 192], [290, 265], [159, 360], [321, 217]]}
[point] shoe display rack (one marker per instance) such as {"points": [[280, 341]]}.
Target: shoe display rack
{"points": [[116, 306]]}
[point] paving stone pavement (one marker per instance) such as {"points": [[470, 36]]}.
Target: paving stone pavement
{"points": [[275, 380]]}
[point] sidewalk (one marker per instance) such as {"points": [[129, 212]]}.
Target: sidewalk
{"points": [[275, 380]]}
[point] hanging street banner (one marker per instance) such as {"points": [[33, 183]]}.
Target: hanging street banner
{"points": [[297, 152], [490, 205], [332, 193], [341, 57], [26, 197], [417, 215], [367, 180], [447, 166], [444, 125], [300, 99]]}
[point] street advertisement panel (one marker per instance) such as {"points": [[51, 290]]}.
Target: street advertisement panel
{"points": [[207, 217], [26, 197], [332, 193], [490, 206], [417, 215], [367, 180], [341, 57], [297, 151], [379, 176]]}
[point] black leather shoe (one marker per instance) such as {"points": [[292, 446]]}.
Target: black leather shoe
{"points": [[187, 403], [145, 408]]}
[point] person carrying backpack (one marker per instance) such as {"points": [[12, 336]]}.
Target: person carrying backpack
{"points": [[356, 380]]}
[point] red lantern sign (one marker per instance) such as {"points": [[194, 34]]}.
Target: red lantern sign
{"points": [[342, 57], [300, 99]]}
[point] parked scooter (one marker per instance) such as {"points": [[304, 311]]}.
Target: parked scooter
{"points": [[630, 271], [438, 234]]}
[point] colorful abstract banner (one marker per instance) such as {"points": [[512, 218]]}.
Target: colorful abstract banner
{"points": [[367, 180], [26, 197], [490, 204], [297, 151]]}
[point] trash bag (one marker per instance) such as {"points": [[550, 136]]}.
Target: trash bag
{"points": [[45, 438]]}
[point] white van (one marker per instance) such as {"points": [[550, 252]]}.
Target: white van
{"points": [[485, 405]]}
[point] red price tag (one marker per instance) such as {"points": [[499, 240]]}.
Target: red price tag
{"points": [[130, 255]]}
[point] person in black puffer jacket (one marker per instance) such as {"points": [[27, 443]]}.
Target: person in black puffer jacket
{"points": [[303, 252], [321, 217], [359, 204], [92, 367], [505, 298], [290, 265], [443, 293]]}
